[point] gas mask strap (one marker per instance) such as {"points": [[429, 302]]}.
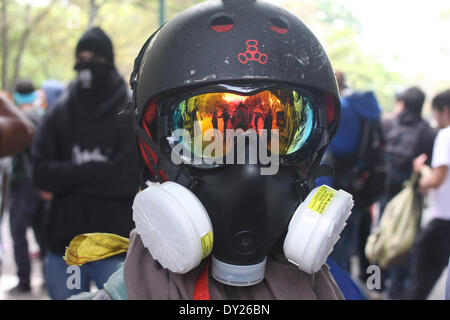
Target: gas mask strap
{"points": [[304, 187], [323, 170], [319, 169]]}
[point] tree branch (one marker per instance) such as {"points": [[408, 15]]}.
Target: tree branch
{"points": [[30, 24], [5, 45]]}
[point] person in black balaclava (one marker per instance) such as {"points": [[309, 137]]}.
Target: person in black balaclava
{"points": [[94, 64], [85, 161]]}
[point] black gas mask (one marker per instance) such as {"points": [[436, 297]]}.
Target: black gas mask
{"points": [[242, 151]]}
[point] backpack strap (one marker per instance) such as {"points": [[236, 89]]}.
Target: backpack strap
{"points": [[201, 289], [366, 126]]}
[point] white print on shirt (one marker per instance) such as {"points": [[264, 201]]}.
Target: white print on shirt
{"points": [[83, 156]]}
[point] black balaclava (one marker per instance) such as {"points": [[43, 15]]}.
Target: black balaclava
{"points": [[93, 76], [98, 42]]}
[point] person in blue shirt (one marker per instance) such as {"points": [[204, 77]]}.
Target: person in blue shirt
{"points": [[53, 89], [357, 107]]}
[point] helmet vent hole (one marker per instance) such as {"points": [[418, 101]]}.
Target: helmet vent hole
{"points": [[222, 24], [278, 25]]}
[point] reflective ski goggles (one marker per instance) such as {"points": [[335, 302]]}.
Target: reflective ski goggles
{"points": [[205, 124]]}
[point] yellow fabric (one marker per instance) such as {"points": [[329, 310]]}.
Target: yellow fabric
{"points": [[94, 246]]}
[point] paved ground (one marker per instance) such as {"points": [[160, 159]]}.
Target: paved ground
{"points": [[8, 279]]}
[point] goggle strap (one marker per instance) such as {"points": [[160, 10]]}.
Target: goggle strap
{"points": [[149, 158], [164, 163]]}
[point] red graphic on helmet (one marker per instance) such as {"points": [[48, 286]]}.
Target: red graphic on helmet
{"points": [[252, 53]]}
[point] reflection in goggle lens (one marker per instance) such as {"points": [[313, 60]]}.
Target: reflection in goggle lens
{"points": [[286, 111]]}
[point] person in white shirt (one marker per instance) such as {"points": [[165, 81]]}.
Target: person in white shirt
{"points": [[447, 285], [433, 244]]}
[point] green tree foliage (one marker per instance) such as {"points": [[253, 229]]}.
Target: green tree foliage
{"points": [[50, 45], [338, 30], [17, 24], [334, 13], [362, 71]]}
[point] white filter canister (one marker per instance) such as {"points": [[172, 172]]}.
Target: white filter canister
{"points": [[316, 226], [173, 225]]}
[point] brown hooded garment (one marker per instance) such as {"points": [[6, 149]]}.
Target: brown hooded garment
{"points": [[146, 279]]}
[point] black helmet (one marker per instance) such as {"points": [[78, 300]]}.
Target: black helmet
{"points": [[225, 41]]}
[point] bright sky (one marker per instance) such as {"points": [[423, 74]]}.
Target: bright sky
{"points": [[410, 30]]}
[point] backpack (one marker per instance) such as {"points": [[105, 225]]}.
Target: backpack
{"points": [[405, 143], [364, 172], [392, 240]]}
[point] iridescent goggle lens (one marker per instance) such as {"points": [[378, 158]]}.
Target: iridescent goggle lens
{"points": [[288, 112]]}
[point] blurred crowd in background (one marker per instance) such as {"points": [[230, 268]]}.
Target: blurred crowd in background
{"points": [[375, 152]]}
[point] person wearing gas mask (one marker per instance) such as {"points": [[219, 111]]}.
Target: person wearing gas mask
{"points": [[212, 223], [85, 161]]}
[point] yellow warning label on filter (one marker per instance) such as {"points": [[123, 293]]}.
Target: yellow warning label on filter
{"points": [[322, 199], [207, 244]]}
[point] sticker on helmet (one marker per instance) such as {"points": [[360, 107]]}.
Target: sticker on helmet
{"points": [[252, 53]]}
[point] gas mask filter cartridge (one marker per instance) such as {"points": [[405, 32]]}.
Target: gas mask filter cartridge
{"points": [[315, 227], [173, 225]]}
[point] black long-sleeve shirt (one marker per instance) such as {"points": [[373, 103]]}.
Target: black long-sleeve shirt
{"points": [[407, 136], [87, 157]]}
